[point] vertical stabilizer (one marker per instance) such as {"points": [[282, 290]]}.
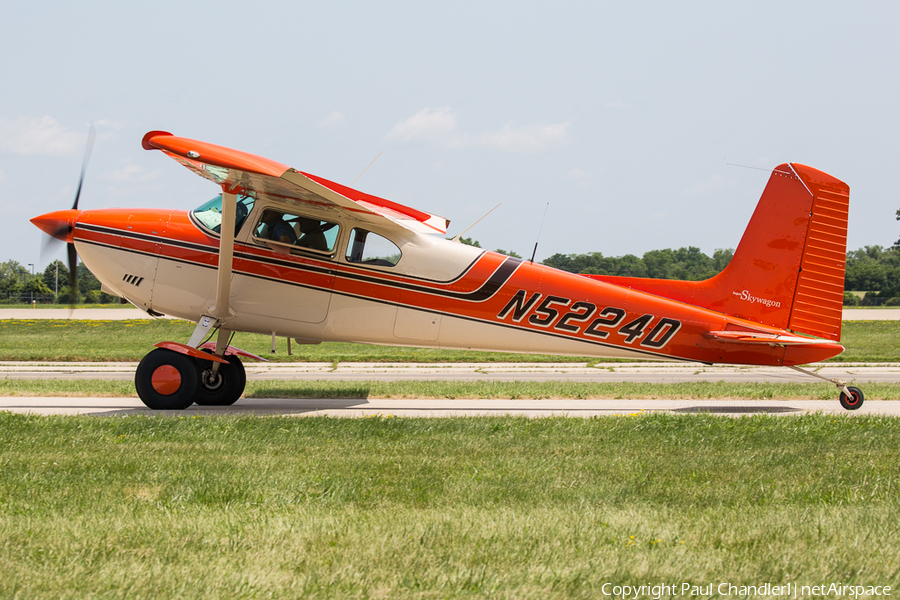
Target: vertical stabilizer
{"points": [[788, 270]]}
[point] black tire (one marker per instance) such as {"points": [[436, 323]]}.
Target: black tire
{"points": [[854, 401], [225, 387], [166, 380]]}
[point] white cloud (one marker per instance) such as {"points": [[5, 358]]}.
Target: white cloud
{"points": [[440, 127], [335, 119], [714, 184], [41, 136], [531, 138], [129, 174], [576, 173]]}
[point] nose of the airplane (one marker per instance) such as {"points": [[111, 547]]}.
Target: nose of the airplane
{"points": [[59, 224]]}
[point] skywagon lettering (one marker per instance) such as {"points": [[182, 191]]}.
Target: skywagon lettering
{"points": [[746, 296], [560, 314]]}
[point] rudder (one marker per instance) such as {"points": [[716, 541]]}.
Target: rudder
{"points": [[818, 302]]}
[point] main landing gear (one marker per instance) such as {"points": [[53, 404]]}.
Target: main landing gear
{"points": [[851, 397], [169, 380]]}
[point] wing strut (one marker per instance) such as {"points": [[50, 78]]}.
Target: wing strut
{"points": [[220, 311]]}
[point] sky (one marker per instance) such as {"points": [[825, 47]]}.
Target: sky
{"points": [[633, 126]]}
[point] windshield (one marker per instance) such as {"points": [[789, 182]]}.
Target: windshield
{"points": [[210, 214]]}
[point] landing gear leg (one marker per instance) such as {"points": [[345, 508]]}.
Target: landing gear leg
{"points": [[220, 385], [851, 397]]}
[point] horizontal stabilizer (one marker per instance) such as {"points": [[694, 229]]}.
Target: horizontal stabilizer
{"points": [[772, 339]]}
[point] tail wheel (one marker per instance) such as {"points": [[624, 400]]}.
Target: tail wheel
{"points": [[225, 386], [854, 401], [166, 380]]}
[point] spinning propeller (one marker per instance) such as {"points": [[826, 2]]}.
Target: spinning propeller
{"points": [[60, 225]]}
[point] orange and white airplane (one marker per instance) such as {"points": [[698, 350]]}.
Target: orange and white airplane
{"points": [[288, 253]]}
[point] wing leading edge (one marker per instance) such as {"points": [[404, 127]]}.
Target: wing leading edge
{"points": [[242, 172]]}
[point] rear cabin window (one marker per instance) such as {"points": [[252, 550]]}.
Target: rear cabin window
{"points": [[369, 248], [308, 233]]}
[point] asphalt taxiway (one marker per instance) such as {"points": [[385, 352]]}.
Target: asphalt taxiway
{"points": [[649, 372], [418, 407]]}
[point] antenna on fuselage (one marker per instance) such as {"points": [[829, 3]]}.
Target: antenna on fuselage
{"points": [[367, 168], [540, 229], [456, 239]]}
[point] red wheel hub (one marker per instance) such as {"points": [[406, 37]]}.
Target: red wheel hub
{"points": [[166, 380]]}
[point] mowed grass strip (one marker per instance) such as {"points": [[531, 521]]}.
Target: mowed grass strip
{"points": [[469, 389], [248, 507], [123, 341]]}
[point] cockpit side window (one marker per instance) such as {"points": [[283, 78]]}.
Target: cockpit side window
{"points": [[210, 214], [308, 233], [369, 248]]}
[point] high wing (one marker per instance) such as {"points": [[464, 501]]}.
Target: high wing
{"points": [[241, 173]]}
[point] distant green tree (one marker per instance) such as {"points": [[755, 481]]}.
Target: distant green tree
{"points": [[89, 286], [470, 242], [875, 270], [866, 269], [56, 275], [721, 258], [684, 263], [36, 286], [510, 253], [897, 243], [13, 278]]}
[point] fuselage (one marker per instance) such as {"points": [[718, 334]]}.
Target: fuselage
{"points": [[440, 293]]}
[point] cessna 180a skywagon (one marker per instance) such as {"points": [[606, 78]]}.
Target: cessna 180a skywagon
{"points": [[285, 252]]}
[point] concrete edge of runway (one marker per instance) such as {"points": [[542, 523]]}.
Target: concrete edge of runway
{"points": [[466, 407]]}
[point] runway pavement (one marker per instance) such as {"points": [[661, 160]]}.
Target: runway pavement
{"points": [[354, 407], [659, 372]]}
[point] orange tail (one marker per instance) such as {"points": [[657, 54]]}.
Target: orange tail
{"points": [[788, 270]]}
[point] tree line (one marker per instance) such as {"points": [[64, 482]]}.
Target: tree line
{"points": [[685, 263], [18, 285], [872, 275]]}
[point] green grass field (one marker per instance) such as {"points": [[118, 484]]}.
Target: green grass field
{"points": [[248, 507], [63, 340]]}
